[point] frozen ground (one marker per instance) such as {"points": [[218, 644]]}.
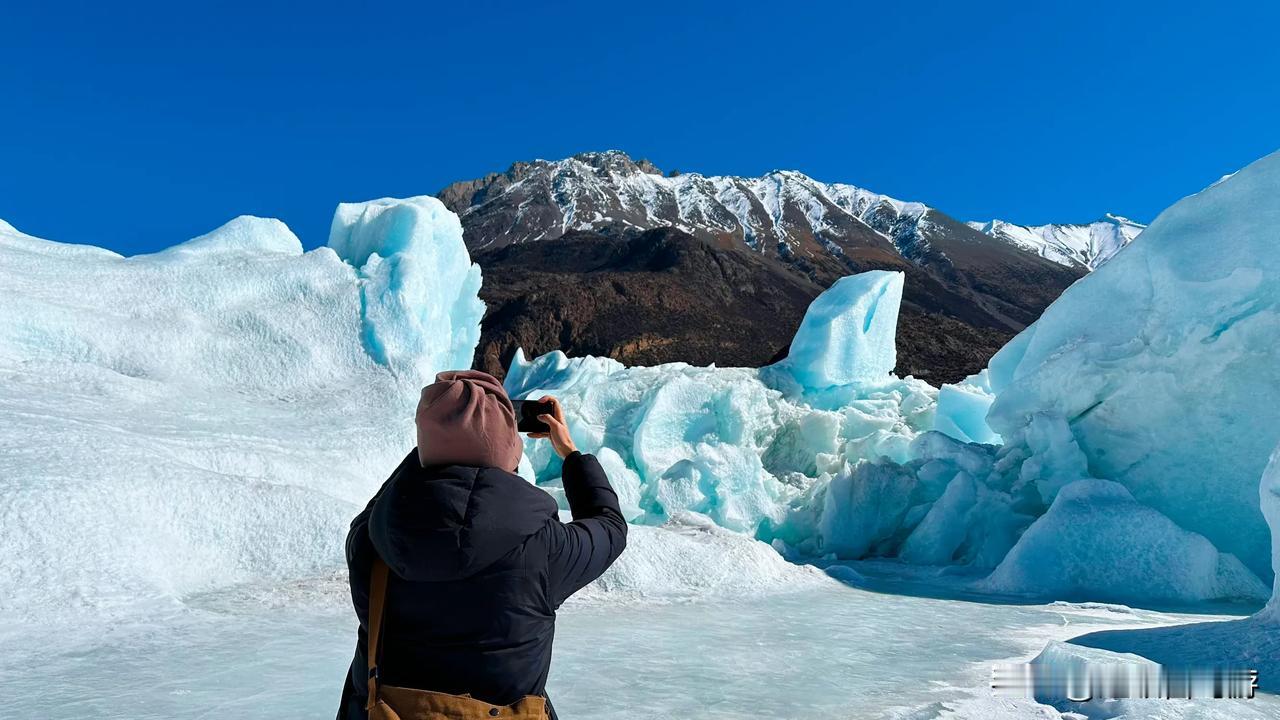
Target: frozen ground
{"points": [[832, 651]]}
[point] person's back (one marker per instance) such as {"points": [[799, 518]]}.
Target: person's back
{"points": [[478, 559]]}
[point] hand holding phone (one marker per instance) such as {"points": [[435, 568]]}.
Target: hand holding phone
{"points": [[528, 411], [545, 419]]}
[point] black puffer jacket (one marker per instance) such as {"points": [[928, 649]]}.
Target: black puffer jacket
{"points": [[479, 563]]}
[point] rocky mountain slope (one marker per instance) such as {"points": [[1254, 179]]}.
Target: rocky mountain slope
{"points": [[1085, 245], [966, 291], [665, 295], [637, 299]]}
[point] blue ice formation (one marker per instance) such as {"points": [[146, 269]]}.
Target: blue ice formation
{"points": [[420, 300], [555, 369], [741, 445], [1164, 364], [847, 334], [1072, 552], [849, 470], [674, 438], [963, 408], [949, 503]]}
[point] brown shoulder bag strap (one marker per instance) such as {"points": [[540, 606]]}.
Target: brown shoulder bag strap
{"points": [[377, 598]]}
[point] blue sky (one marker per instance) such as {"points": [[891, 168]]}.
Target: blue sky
{"points": [[137, 127]]}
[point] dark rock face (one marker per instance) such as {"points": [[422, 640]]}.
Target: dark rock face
{"points": [[658, 297], [602, 255]]}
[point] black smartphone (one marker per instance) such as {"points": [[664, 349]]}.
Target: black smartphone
{"points": [[528, 412]]}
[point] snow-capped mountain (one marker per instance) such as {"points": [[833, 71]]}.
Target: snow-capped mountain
{"points": [[1087, 245], [783, 212], [966, 293]]}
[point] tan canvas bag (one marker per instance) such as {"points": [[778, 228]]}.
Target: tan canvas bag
{"points": [[387, 702]]}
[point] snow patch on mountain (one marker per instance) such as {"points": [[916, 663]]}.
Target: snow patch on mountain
{"points": [[1085, 245]]}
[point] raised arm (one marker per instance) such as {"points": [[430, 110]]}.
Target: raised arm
{"points": [[583, 549]]}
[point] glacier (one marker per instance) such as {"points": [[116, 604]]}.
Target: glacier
{"points": [[176, 397], [738, 445], [1162, 363], [211, 416]]}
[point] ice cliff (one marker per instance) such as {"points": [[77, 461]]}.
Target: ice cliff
{"points": [[419, 297], [214, 412], [1163, 364]]}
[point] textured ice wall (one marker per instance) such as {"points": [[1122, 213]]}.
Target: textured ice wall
{"points": [[1097, 543], [847, 334], [419, 290], [1164, 364], [716, 441], [211, 414]]}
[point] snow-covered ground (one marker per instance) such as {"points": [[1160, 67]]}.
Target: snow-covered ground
{"points": [[184, 436]]}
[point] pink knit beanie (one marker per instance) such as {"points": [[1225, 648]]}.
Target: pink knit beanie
{"points": [[466, 418]]}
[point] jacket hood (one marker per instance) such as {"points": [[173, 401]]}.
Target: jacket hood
{"points": [[450, 522]]}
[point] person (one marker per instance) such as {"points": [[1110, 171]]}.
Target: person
{"points": [[478, 558]]}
